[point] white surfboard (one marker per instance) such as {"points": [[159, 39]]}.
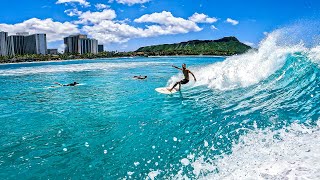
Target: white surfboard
{"points": [[164, 90]]}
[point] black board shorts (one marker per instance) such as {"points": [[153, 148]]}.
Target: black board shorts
{"points": [[184, 81]]}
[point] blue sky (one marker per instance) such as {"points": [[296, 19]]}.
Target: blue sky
{"points": [[128, 24]]}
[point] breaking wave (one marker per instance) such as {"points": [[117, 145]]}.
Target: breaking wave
{"points": [[269, 114], [252, 67]]}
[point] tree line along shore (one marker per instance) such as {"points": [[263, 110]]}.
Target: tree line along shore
{"points": [[59, 57]]}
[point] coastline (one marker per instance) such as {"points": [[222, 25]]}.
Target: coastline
{"points": [[129, 57], [32, 62]]}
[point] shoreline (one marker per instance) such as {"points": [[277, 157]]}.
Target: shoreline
{"points": [[32, 62], [129, 57]]}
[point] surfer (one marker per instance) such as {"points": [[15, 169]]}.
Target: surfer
{"points": [[186, 73], [71, 84], [140, 77]]}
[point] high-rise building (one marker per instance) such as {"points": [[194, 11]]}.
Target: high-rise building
{"points": [[89, 46], [72, 43], [10, 48], [100, 48], [80, 44], [22, 43], [16, 45], [22, 33], [35, 44], [3, 43], [52, 51]]}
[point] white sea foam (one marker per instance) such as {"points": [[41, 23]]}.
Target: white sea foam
{"points": [[247, 69], [74, 68], [314, 54], [153, 174], [294, 154]]}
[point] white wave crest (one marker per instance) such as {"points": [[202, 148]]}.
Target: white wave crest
{"points": [[295, 154], [314, 54]]}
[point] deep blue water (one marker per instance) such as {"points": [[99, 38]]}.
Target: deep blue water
{"points": [[113, 127]]}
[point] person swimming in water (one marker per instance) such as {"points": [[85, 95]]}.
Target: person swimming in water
{"points": [[186, 79], [140, 77], [71, 84]]}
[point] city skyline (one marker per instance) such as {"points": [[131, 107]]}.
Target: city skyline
{"points": [[125, 25], [23, 43]]}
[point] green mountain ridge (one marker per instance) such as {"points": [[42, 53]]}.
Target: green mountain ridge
{"points": [[224, 46]]}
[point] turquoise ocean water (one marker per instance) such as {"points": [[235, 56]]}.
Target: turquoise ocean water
{"points": [[249, 116]]}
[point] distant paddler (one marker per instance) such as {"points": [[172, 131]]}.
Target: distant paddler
{"points": [[140, 77], [71, 84], [186, 79]]}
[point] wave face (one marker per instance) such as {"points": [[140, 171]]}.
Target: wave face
{"points": [[268, 116]]}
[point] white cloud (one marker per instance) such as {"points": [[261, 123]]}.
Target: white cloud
{"points": [[101, 6], [265, 33], [96, 17], [102, 25], [249, 43], [167, 19], [202, 18], [82, 2], [213, 27], [123, 21], [132, 2], [73, 12], [108, 31], [55, 30], [232, 21]]}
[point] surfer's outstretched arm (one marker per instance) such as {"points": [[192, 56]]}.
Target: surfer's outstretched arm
{"points": [[176, 67], [193, 76]]}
